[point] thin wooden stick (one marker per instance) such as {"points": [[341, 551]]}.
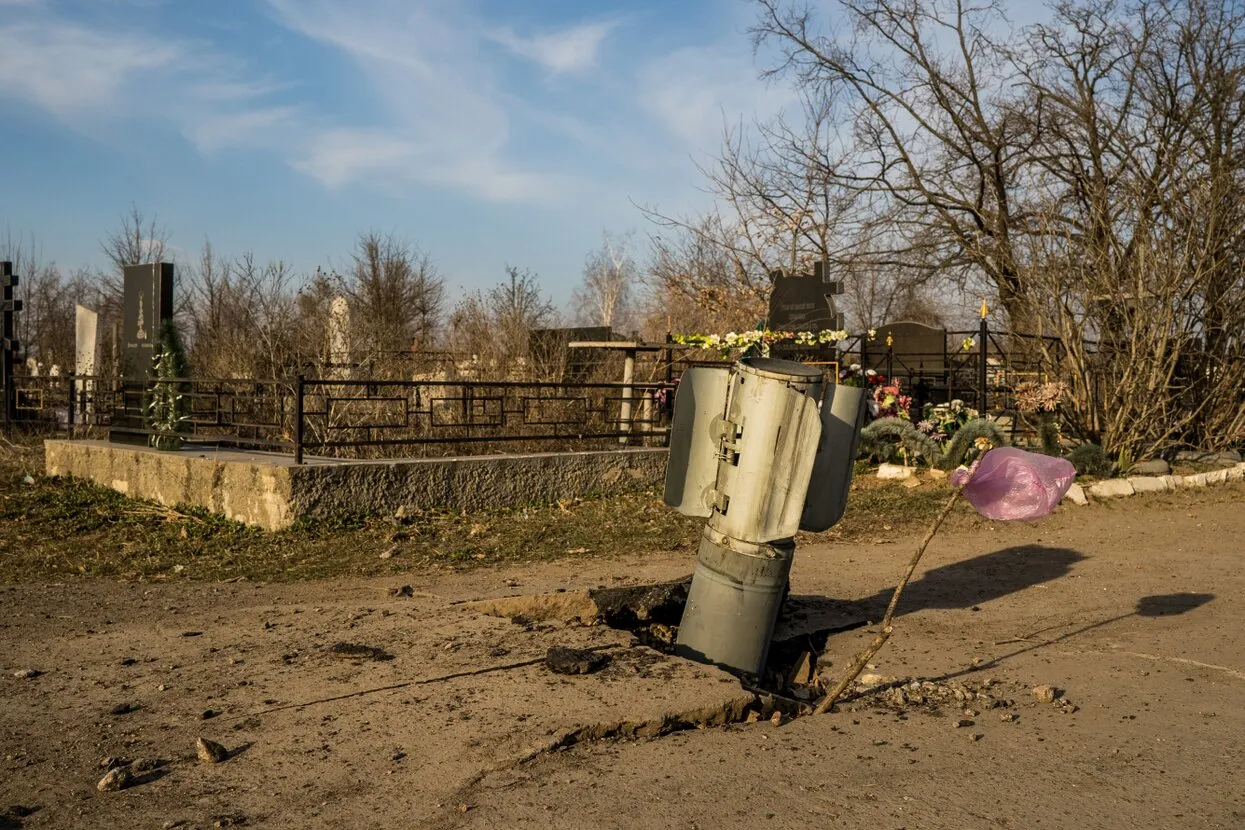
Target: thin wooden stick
{"points": [[862, 659]]}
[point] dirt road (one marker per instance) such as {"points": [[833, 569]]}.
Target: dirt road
{"points": [[1134, 610]]}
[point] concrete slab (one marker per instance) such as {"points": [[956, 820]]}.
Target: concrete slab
{"points": [[1148, 484], [1111, 488]]}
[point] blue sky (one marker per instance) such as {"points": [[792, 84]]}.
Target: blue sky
{"points": [[488, 132]]}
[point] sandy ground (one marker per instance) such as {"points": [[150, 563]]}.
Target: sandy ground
{"points": [[1133, 609]]}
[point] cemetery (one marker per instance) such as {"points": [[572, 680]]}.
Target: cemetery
{"points": [[455, 485], [268, 453], [802, 415]]}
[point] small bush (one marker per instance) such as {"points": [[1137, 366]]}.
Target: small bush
{"points": [[1090, 460]]}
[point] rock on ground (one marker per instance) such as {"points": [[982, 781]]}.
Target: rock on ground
{"points": [[574, 660], [210, 751], [1045, 693], [115, 779], [895, 471], [1111, 488]]}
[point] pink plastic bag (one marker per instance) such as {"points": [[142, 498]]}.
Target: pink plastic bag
{"points": [[1010, 484]]}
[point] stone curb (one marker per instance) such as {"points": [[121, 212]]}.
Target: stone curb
{"points": [[1120, 487]]}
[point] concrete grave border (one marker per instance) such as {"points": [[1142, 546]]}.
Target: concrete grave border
{"points": [[270, 491], [1113, 488]]}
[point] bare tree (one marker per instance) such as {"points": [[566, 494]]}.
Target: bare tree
{"points": [[786, 201], [1139, 266], [939, 141], [139, 240], [45, 326], [605, 296], [698, 276], [1087, 169], [244, 319], [495, 326], [396, 295]]}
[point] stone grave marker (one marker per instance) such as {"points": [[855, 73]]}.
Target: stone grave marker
{"points": [[147, 301], [916, 349], [339, 338], [805, 302], [86, 352]]}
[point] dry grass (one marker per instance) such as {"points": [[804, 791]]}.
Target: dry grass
{"points": [[56, 529]]}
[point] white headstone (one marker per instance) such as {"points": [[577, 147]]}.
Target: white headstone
{"points": [[86, 325], [32, 367], [339, 337], [86, 339]]}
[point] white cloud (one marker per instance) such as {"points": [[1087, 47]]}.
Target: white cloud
{"points": [[91, 79], [258, 127], [66, 69], [690, 91], [571, 49], [445, 119], [435, 103], [337, 157]]}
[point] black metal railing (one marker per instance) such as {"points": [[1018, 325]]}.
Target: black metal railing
{"points": [[343, 417], [223, 411], [357, 418], [983, 373]]}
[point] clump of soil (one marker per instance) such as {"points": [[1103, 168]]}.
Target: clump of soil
{"points": [[563, 660], [355, 651], [630, 604]]}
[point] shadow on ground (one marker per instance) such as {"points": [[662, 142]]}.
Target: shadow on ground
{"points": [[983, 578], [1170, 605], [963, 584]]}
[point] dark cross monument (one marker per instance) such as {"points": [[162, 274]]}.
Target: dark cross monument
{"points": [[146, 303], [805, 302]]}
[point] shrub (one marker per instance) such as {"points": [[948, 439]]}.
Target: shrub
{"points": [[1090, 460]]}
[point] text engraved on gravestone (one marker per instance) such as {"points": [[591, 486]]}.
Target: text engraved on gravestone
{"points": [[802, 302]]}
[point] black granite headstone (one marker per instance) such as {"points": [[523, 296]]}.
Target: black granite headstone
{"points": [[804, 302], [147, 302], [916, 349]]}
